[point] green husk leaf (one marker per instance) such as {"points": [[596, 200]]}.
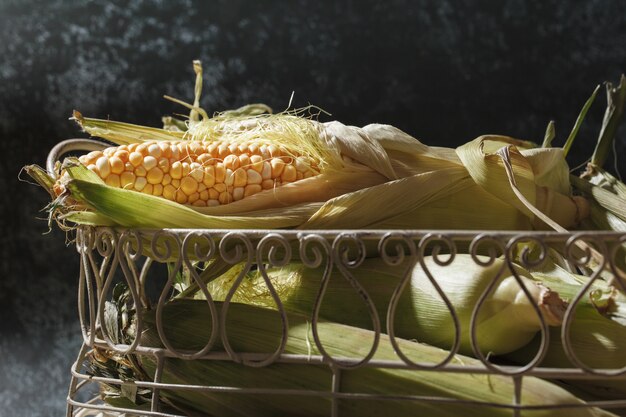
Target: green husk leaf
{"points": [[579, 121], [616, 100], [597, 334], [132, 209], [88, 218], [78, 171], [255, 329], [610, 201], [438, 199], [41, 177], [421, 314], [549, 135], [123, 133]]}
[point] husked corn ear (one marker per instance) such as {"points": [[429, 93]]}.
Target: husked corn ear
{"points": [[198, 173]]}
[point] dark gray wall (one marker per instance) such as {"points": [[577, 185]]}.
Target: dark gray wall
{"points": [[444, 71]]}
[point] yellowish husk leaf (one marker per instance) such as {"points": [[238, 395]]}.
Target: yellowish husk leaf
{"points": [[421, 314], [252, 329]]}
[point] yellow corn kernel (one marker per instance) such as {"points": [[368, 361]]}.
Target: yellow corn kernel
{"points": [[135, 158], [103, 167], [149, 162], [277, 167], [176, 170], [180, 197], [140, 183], [113, 180], [154, 176], [169, 192], [188, 185], [213, 194], [252, 189], [231, 162], [289, 173], [142, 149], [148, 189], [199, 203], [164, 164], [240, 178], [253, 177], [267, 184], [140, 171], [266, 173], [193, 197], [224, 198], [238, 193], [126, 179], [122, 154], [154, 150], [209, 176]]}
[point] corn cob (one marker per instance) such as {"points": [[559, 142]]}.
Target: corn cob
{"points": [[597, 333], [187, 325], [197, 173], [244, 162], [421, 313]]}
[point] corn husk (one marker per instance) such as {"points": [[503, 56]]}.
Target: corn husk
{"points": [[422, 313], [596, 333], [433, 187], [252, 329], [493, 182]]}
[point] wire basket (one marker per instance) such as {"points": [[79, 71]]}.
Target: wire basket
{"points": [[149, 264], [109, 256]]}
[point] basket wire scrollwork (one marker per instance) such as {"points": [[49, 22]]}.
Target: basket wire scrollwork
{"points": [[131, 256]]}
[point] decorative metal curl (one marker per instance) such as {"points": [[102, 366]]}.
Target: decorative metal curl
{"points": [[436, 239], [171, 243], [203, 246], [341, 250], [85, 238], [121, 259], [398, 256], [274, 241], [524, 256], [189, 240], [545, 334], [236, 254], [318, 246], [344, 263], [164, 244], [571, 310], [233, 255], [490, 256], [585, 253], [406, 278], [104, 241], [619, 275]]}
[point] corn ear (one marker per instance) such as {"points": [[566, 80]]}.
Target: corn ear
{"points": [[540, 176], [253, 329], [131, 209], [597, 334], [421, 313]]}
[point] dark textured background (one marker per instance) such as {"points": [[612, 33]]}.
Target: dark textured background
{"points": [[445, 71]]}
